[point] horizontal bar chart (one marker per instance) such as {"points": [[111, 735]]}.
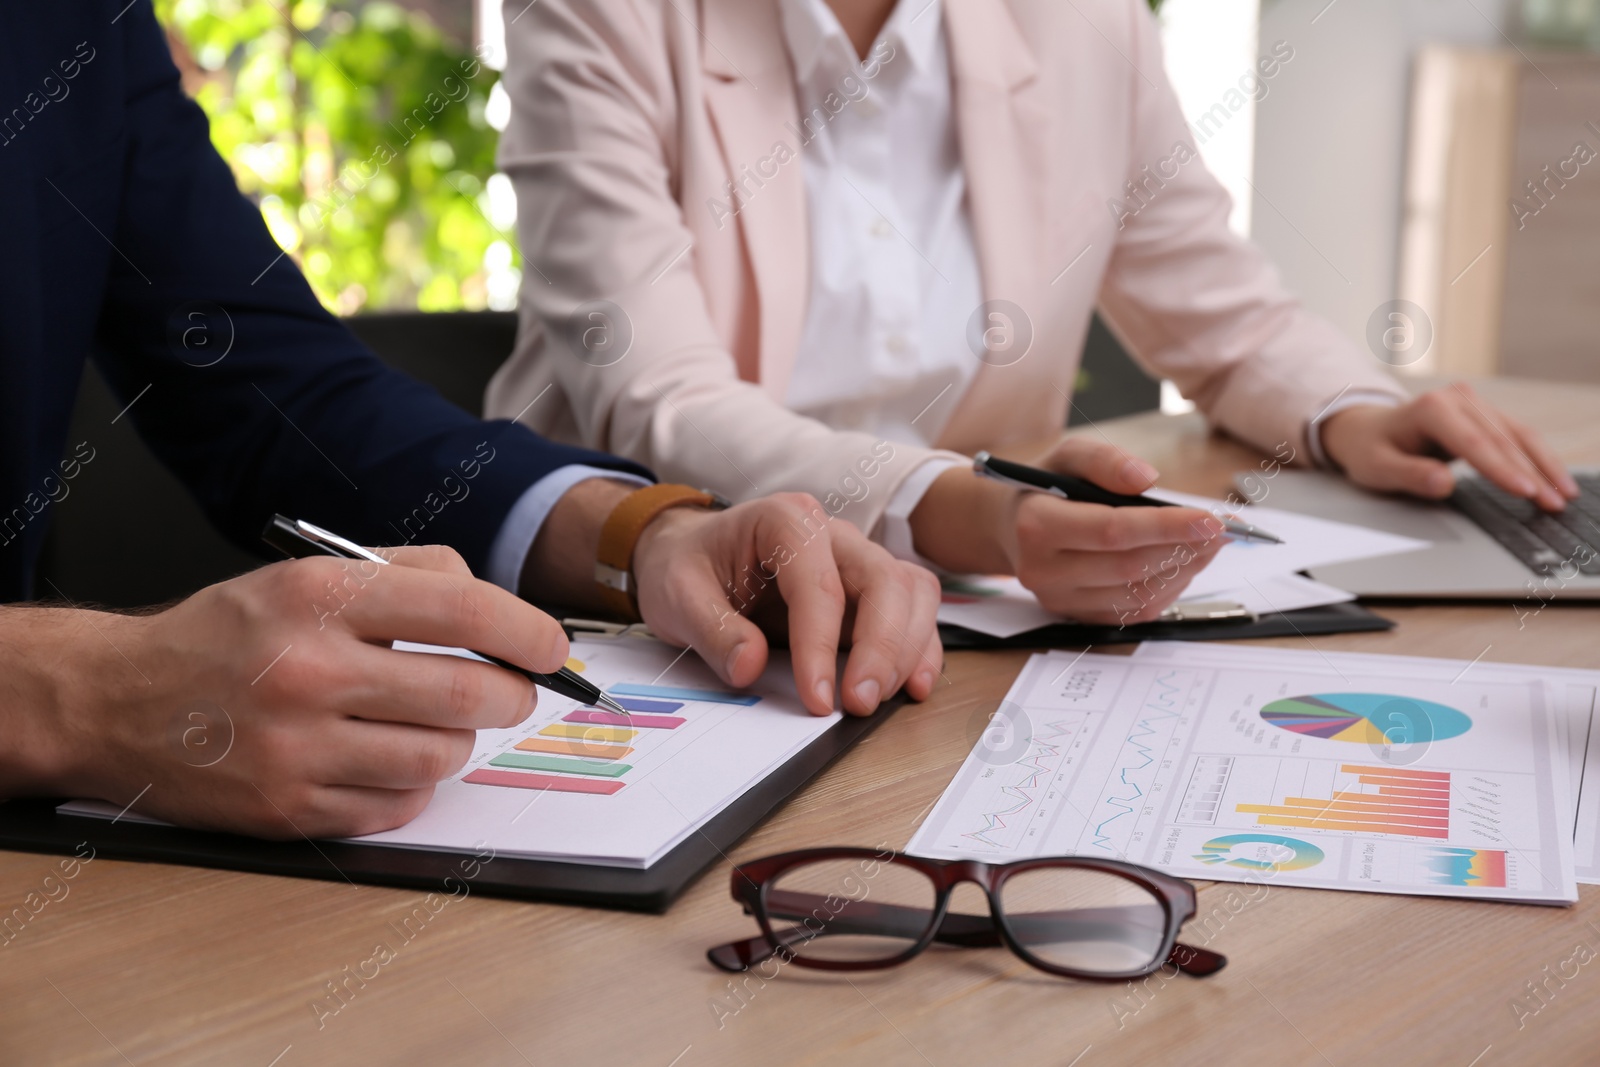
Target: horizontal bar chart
{"points": [[1401, 780], [1356, 802], [1417, 805], [1383, 827], [1441, 777], [660, 707], [527, 761], [587, 749], [611, 718], [551, 782], [672, 692], [1361, 805], [1332, 814], [588, 733]]}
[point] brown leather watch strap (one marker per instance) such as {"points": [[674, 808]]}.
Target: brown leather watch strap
{"points": [[613, 567]]}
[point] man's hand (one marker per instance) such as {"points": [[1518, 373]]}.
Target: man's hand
{"points": [[1406, 448], [1086, 561], [722, 582], [271, 704]]}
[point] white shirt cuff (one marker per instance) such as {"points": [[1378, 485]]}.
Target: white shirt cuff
{"points": [[1354, 398], [522, 523], [893, 531]]}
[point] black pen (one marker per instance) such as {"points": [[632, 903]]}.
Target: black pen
{"points": [[298, 539], [1070, 488]]}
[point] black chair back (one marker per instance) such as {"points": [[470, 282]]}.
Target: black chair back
{"points": [[96, 553]]}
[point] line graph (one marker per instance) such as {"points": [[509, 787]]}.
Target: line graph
{"points": [[1041, 763], [1133, 775]]}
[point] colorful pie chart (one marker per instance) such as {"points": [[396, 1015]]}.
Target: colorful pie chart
{"points": [[1260, 852], [1366, 718]]}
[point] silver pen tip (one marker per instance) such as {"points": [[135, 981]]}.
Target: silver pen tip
{"points": [[1240, 528], [611, 705]]}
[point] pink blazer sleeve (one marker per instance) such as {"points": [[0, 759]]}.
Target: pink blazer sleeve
{"points": [[1204, 307]]}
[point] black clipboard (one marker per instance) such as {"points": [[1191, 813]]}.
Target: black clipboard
{"points": [[1329, 619], [32, 825]]}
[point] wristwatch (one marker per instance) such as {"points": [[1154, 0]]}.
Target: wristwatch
{"points": [[613, 568]]}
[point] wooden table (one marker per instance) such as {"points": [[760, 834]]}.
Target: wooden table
{"points": [[150, 964]]}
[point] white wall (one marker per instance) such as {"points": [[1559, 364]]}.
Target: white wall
{"points": [[1209, 45], [1330, 140], [489, 28]]}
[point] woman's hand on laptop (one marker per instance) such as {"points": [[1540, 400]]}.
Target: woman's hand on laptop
{"points": [[1407, 448]]}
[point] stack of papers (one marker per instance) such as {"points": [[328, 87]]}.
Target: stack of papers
{"points": [[1337, 771], [1261, 577]]}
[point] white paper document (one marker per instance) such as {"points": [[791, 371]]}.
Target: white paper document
{"points": [[1340, 775], [996, 605], [577, 784], [1575, 702], [1307, 542]]}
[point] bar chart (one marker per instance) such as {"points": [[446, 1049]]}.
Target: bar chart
{"points": [[592, 751], [1365, 799]]}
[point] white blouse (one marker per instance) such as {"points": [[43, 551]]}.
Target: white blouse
{"points": [[894, 270]]}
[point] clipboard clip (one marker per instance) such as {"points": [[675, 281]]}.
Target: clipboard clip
{"points": [[1208, 611], [601, 628]]}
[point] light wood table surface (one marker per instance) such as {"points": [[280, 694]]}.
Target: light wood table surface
{"points": [[149, 964]]}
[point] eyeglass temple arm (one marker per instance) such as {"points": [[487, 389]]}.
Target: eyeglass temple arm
{"points": [[1196, 961]]}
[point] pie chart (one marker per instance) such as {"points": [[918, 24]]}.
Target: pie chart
{"points": [[1260, 852], [1366, 718]]}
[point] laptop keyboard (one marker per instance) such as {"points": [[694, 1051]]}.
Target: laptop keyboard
{"points": [[1545, 543]]}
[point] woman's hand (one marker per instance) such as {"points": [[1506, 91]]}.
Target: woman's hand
{"points": [[1406, 448], [1086, 561]]}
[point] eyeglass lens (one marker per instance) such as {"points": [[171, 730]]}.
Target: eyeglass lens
{"points": [[856, 910], [1084, 920]]}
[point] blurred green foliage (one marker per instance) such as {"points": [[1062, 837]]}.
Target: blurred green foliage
{"points": [[360, 131]]}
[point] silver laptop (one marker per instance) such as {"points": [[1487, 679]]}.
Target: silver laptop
{"points": [[1486, 543]]}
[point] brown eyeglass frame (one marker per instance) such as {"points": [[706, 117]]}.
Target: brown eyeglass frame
{"points": [[751, 887]]}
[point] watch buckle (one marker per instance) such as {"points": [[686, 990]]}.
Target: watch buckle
{"points": [[612, 577]]}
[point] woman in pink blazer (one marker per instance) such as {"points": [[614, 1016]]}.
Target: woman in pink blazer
{"points": [[839, 245]]}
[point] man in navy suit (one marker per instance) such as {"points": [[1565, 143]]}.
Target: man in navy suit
{"points": [[123, 230]]}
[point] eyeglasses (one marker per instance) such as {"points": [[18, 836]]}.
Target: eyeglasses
{"points": [[856, 909]]}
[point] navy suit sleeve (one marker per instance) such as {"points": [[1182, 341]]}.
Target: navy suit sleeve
{"points": [[298, 416]]}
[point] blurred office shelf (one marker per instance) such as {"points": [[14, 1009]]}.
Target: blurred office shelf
{"points": [[1500, 236]]}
